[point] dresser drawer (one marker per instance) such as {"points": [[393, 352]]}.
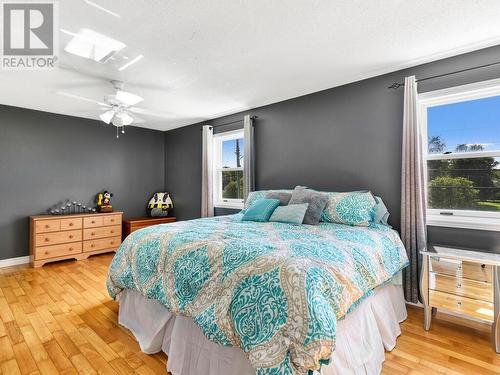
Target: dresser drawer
{"points": [[72, 223], [44, 239], [44, 226], [468, 270], [462, 287], [92, 222], [53, 251], [101, 244], [112, 220], [462, 305], [93, 233]]}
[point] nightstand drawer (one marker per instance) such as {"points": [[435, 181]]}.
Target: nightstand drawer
{"points": [[101, 244], [44, 239], [462, 305], [462, 287], [53, 251], [93, 233], [468, 270]]}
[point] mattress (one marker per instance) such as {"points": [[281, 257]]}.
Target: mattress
{"points": [[362, 337]]}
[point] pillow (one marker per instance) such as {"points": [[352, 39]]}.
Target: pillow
{"points": [[282, 196], [292, 214], [355, 208], [260, 194], [317, 202], [261, 210], [381, 214]]}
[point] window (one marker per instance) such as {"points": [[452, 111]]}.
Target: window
{"points": [[228, 169], [462, 128]]}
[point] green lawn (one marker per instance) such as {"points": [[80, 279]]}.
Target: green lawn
{"points": [[490, 205]]}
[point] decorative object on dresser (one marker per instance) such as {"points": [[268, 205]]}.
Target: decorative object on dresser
{"points": [[131, 225], [73, 236], [71, 208], [464, 282], [104, 201], [159, 204]]}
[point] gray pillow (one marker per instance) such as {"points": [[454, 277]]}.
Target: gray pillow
{"points": [[317, 203], [283, 197]]}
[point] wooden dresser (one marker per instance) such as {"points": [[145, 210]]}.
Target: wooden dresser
{"points": [[131, 225], [463, 282], [61, 237]]}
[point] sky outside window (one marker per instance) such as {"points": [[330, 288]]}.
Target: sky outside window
{"points": [[474, 122]]}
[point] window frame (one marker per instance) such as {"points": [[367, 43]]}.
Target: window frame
{"points": [[469, 219], [218, 200]]}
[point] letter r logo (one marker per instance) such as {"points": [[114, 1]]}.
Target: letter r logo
{"points": [[28, 29]]}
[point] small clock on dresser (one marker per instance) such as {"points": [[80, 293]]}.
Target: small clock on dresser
{"points": [[464, 282]]}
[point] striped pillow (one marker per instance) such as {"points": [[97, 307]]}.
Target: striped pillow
{"points": [[261, 210]]}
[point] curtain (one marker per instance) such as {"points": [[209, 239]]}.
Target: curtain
{"points": [[413, 202], [207, 204], [249, 159]]}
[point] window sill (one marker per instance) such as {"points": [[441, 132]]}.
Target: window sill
{"points": [[464, 222], [233, 206]]}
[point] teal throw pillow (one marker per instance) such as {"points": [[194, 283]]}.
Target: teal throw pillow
{"points": [[261, 210]]}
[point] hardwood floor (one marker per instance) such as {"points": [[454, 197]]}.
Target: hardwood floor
{"points": [[60, 319]]}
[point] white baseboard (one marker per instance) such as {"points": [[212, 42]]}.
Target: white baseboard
{"points": [[14, 261]]}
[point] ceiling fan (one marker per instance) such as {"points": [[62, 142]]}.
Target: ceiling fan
{"points": [[119, 107]]}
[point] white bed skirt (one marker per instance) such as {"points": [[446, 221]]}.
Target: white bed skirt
{"points": [[361, 337]]}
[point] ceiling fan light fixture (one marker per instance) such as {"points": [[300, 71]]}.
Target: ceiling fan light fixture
{"points": [[93, 45], [122, 119], [107, 116]]}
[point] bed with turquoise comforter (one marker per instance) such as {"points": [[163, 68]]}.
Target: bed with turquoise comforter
{"points": [[274, 290]]}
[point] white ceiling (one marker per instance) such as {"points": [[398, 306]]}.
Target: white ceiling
{"points": [[205, 59]]}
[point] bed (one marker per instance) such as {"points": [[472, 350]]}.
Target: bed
{"points": [[272, 298]]}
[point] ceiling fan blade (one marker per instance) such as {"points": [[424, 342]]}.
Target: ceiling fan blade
{"points": [[78, 97], [128, 98], [107, 116], [148, 112]]}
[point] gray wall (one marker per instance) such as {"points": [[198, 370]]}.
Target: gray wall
{"points": [[48, 158], [345, 138]]}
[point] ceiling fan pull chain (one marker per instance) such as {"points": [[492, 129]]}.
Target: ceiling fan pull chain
{"points": [[117, 133]]}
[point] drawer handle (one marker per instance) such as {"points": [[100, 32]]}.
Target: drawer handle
{"points": [[483, 266], [459, 304], [112, 243], [112, 220], [47, 226], [112, 231], [70, 236], [92, 245], [70, 224], [46, 253], [92, 234], [47, 239], [70, 249], [92, 222], [459, 286]]}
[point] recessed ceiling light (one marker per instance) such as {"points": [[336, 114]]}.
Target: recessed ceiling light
{"points": [[133, 61], [92, 45]]}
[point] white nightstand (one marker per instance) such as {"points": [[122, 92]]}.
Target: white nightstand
{"points": [[464, 282]]}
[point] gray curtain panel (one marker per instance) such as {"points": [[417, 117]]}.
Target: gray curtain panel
{"points": [[413, 202], [249, 156], [207, 204]]}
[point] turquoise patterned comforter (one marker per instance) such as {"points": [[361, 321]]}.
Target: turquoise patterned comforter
{"points": [[275, 290]]}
